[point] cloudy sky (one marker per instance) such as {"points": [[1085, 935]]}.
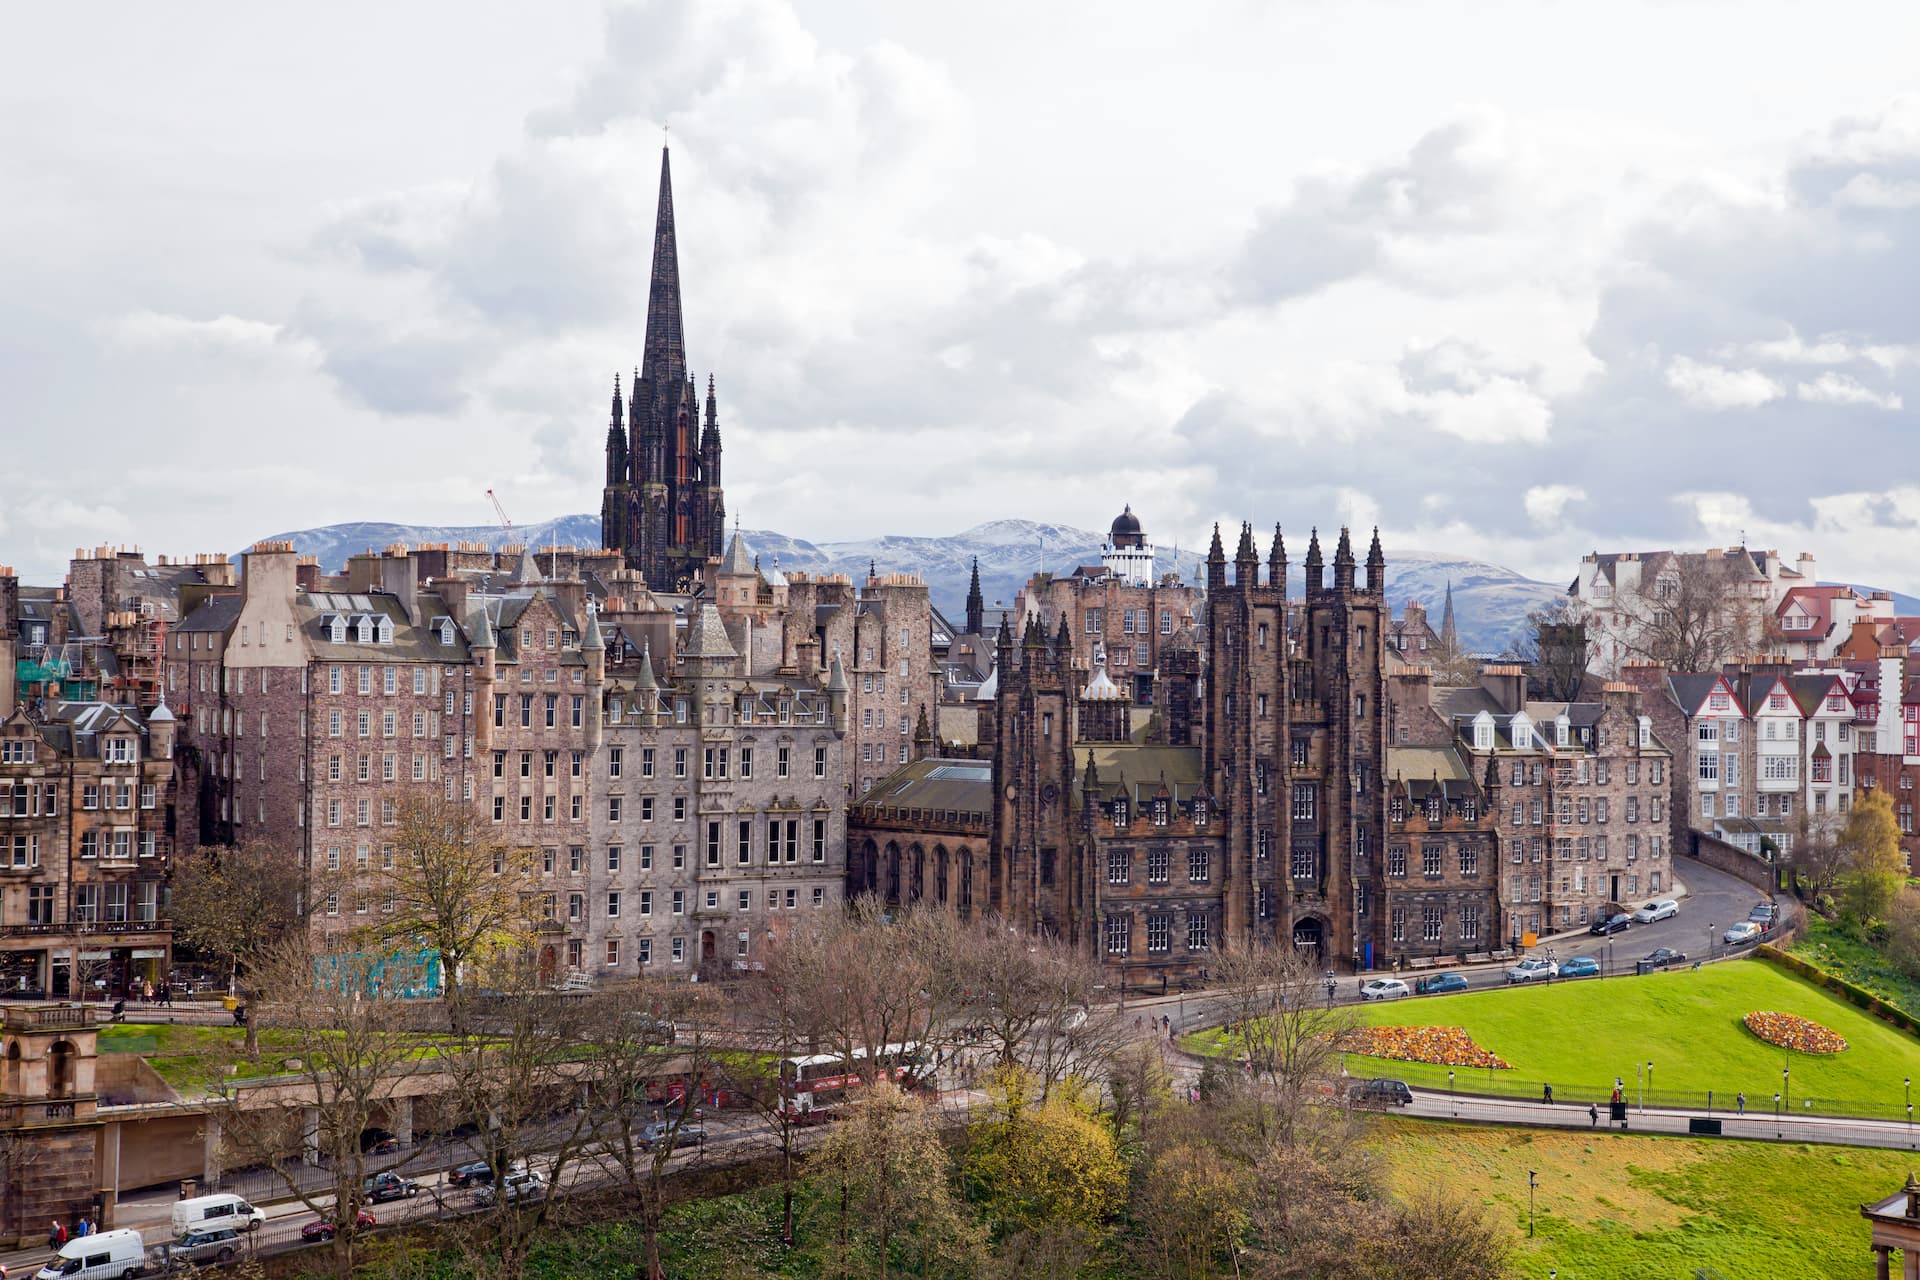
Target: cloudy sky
{"points": [[1514, 281]]}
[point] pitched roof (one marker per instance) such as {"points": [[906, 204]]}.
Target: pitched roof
{"points": [[707, 636]]}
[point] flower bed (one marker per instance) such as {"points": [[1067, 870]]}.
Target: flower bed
{"points": [[1446, 1046], [1790, 1031]]}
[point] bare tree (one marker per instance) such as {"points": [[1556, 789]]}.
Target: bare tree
{"points": [[1556, 649], [785, 1010], [456, 890], [351, 1048], [234, 903], [1817, 855], [1692, 612], [895, 983], [518, 1070], [1032, 999], [638, 1043], [1285, 1034]]}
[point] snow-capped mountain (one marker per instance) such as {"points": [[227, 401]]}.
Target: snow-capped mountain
{"points": [[1490, 603]]}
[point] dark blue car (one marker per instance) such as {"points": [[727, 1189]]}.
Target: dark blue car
{"points": [[1580, 967], [1439, 984]]}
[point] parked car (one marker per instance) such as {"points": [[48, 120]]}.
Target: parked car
{"points": [[682, 1135], [109, 1255], [1440, 984], [1661, 957], [1532, 969], [1580, 967], [1658, 909], [212, 1211], [476, 1174], [215, 1245], [1745, 931], [1764, 914], [322, 1229], [1610, 923], [518, 1187], [1381, 1093], [1384, 989], [382, 1187]]}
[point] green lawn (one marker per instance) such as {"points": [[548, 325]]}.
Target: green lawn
{"points": [[1618, 1205], [1580, 1035], [1841, 954]]}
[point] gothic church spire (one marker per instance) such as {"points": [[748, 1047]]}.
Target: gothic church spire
{"points": [[665, 360]]}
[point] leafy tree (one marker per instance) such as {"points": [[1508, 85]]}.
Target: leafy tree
{"points": [[457, 891], [1042, 1160], [1190, 1202], [1876, 866], [886, 1182]]}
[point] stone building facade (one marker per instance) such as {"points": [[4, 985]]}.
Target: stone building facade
{"points": [[86, 824], [1249, 802], [1580, 793], [1120, 607]]}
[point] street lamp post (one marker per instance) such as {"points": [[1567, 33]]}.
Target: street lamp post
{"points": [[1532, 1182], [1776, 1115], [1709, 939], [1452, 1104], [1640, 1085], [1643, 1101], [1786, 1090], [1908, 1082]]}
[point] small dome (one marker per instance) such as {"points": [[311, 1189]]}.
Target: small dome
{"points": [[1126, 529]]}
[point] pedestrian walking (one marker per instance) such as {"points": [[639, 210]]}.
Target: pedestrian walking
{"points": [[1593, 1116], [1546, 1093], [1740, 1104], [56, 1235]]}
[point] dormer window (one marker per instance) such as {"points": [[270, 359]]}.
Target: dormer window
{"points": [[383, 630], [1397, 809], [1120, 814], [118, 751], [1435, 807], [1470, 809], [1483, 732], [1160, 808], [1560, 727], [1200, 813], [1522, 731], [1646, 732]]}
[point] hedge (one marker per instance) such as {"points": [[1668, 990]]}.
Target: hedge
{"points": [[1853, 994]]}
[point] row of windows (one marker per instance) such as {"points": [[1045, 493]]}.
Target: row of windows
{"points": [[1159, 866], [1160, 933], [1433, 923], [1432, 860]]}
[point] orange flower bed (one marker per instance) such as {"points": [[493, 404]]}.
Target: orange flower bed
{"points": [[1790, 1031], [1446, 1046]]}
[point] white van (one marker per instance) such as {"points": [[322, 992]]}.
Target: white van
{"points": [[107, 1255], [202, 1212]]}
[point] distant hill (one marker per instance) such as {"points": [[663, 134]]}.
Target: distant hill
{"points": [[1490, 603]]}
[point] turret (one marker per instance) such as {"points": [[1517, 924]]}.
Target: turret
{"points": [[1316, 568], [1376, 564], [160, 729], [1343, 562], [923, 736], [710, 441], [1216, 562], [646, 688], [617, 462], [1246, 560], [976, 604], [837, 694], [1277, 562]]}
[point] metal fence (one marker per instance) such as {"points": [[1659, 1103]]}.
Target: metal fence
{"points": [[1472, 1082]]}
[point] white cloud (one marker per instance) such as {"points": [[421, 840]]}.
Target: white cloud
{"points": [[1546, 503], [224, 334], [1828, 349], [1837, 388], [1712, 386]]}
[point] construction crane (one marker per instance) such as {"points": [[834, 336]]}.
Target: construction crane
{"points": [[505, 522]]}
